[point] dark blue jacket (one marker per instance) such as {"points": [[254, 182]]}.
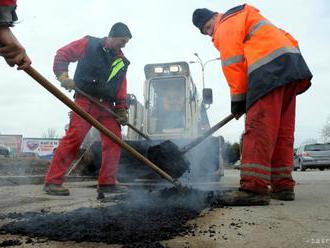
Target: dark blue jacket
{"points": [[96, 66]]}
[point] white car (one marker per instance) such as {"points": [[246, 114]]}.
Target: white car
{"points": [[313, 156]]}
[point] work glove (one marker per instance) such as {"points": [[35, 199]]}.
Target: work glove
{"points": [[66, 82], [238, 108], [122, 116]]}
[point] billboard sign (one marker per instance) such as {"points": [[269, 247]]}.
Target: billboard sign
{"points": [[43, 147]]}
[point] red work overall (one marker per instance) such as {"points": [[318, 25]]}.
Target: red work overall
{"points": [[70, 144], [267, 156]]}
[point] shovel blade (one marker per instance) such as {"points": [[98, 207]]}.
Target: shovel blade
{"points": [[169, 158]]}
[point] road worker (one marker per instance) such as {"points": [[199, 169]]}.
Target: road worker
{"points": [[265, 70], [172, 109], [101, 73]]}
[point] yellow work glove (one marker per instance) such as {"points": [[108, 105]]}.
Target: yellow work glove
{"points": [[122, 116], [66, 82]]}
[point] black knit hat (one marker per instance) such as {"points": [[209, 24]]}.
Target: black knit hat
{"points": [[201, 17], [120, 29]]}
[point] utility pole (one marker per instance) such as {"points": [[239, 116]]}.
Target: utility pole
{"points": [[202, 64]]}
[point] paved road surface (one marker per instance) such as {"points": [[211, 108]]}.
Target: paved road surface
{"points": [[302, 223]]}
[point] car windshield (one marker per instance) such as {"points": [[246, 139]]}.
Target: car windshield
{"points": [[318, 147]]}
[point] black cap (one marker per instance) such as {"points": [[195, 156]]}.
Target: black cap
{"points": [[201, 17], [120, 29]]}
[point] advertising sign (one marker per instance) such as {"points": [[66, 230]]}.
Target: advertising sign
{"points": [[43, 147]]}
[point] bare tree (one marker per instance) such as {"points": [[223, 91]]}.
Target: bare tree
{"points": [[325, 132], [50, 134]]}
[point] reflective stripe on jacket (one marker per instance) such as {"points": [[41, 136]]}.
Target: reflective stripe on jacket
{"points": [[257, 57]]}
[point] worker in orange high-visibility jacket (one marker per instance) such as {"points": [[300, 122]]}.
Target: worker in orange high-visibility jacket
{"points": [[265, 71]]}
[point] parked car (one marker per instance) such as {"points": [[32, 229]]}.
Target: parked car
{"points": [[4, 151], [313, 156]]}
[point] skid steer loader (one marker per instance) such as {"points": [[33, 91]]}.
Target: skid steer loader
{"points": [[172, 110]]}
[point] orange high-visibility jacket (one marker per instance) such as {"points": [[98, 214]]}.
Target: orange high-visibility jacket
{"points": [[256, 56]]}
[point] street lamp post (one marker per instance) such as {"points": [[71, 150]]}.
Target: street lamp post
{"points": [[200, 61]]}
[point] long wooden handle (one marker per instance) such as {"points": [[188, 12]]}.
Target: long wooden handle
{"points": [[92, 99], [78, 110], [207, 134]]}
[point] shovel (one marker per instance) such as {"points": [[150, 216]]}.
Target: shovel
{"points": [[96, 102], [78, 110], [171, 158]]}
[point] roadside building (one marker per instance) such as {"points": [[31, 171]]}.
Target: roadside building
{"points": [[13, 142]]}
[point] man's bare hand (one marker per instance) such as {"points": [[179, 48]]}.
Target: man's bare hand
{"points": [[13, 52]]}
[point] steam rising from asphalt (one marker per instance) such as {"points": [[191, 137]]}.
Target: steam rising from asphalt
{"points": [[205, 162]]}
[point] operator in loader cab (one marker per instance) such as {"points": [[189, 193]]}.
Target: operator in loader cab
{"points": [[101, 73], [265, 71], [172, 112]]}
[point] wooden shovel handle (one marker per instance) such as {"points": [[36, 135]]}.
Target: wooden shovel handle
{"points": [[96, 102], [207, 134]]}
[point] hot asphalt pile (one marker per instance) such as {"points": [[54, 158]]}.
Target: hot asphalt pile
{"points": [[141, 220], [10, 242], [168, 157]]}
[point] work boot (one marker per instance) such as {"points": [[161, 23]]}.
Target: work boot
{"points": [[284, 195], [56, 189], [111, 188], [242, 198]]}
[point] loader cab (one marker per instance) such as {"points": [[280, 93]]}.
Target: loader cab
{"points": [[171, 101]]}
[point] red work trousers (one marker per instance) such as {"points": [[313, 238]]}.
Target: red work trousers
{"points": [[71, 142], [267, 154]]}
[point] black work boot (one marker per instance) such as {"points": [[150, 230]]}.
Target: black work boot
{"points": [[242, 197], [56, 189], [111, 188], [284, 195]]}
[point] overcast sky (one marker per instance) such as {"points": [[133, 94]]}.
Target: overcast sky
{"points": [[162, 32]]}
